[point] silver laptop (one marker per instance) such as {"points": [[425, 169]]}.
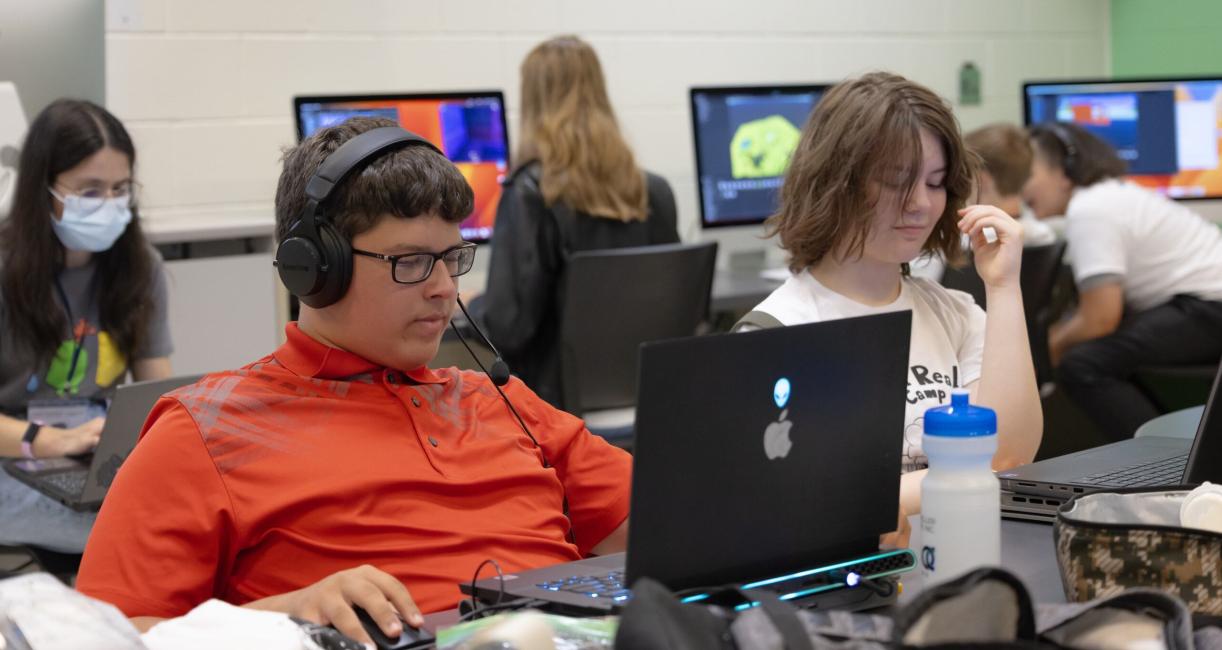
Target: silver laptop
{"points": [[1035, 492], [81, 483]]}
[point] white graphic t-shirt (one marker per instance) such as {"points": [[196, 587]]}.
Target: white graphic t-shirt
{"points": [[946, 349]]}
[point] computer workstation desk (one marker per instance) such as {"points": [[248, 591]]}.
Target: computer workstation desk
{"points": [[1027, 551]]}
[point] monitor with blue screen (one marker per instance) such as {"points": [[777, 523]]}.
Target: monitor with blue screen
{"points": [[469, 127], [744, 137], [1169, 131]]}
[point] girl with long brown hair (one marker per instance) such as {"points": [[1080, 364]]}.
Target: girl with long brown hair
{"points": [[576, 187], [881, 177], [82, 304]]}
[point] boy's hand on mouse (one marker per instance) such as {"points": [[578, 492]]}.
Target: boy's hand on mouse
{"points": [[330, 601], [997, 262]]}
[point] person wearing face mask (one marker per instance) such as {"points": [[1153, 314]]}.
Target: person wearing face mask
{"points": [[82, 306]]}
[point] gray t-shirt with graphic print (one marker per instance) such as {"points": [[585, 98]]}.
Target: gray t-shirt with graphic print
{"points": [[88, 369]]}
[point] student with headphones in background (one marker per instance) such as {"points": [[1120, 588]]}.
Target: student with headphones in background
{"points": [[340, 471], [82, 304], [577, 187], [1148, 271]]}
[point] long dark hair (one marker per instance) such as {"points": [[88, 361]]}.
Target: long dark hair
{"points": [[62, 136]]}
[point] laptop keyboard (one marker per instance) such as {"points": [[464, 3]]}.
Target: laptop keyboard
{"points": [[69, 482], [607, 585], [1169, 471]]}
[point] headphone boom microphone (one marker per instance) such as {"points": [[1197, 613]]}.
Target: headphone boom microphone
{"points": [[499, 372]]}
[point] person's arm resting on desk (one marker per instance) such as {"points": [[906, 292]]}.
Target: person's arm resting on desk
{"points": [[49, 441]]}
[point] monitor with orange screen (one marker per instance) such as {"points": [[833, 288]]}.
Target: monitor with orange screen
{"points": [[469, 127], [1168, 131]]}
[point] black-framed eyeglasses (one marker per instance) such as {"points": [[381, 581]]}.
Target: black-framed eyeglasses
{"points": [[411, 268]]}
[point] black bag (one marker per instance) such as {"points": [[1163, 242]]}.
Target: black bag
{"points": [[655, 620]]}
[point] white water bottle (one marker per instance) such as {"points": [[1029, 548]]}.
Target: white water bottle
{"points": [[960, 496]]}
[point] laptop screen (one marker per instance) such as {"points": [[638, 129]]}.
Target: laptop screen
{"points": [[761, 453], [1205, 459]]}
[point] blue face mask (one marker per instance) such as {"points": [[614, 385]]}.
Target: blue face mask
{"points": [[92, 223]]}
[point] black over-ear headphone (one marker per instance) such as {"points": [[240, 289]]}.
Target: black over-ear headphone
{"points": [[314, 260], [1062, 134]]}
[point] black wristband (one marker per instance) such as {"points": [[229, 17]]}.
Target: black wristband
{"points": [[31, 432]]}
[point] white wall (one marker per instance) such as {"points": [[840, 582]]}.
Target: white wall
{"points": [[206, 86]]}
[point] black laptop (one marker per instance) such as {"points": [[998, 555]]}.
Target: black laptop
{"points": [[1035, 492], [81, 484], [767, 458]]}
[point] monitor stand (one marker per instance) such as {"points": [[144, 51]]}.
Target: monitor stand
{"points": [[745, 248]]}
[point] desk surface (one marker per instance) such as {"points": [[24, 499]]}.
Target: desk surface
{"points": [[172, 229], [1026, 551]]}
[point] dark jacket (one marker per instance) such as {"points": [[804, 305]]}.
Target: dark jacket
{"points": [[530, 243]]}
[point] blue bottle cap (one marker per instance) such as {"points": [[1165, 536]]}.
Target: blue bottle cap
{"points": [[960, 419]]}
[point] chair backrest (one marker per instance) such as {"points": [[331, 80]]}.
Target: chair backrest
{"points": [[965, 279], [614, 300], [1040, 270], [1041, 264]]}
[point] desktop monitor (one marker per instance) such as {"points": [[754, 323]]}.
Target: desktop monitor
{"points": [[1167, 130], [469, 127], [744, 137]]}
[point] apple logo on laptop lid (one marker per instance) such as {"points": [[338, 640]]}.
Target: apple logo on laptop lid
{"points": [[776, 437]]}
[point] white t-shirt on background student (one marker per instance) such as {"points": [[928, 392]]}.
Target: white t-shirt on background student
{"points": [[1158, 248], [946, 349]]}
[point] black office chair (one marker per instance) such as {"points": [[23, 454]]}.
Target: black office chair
{"points": [[1173, 387], [63, 566], [1041, 269], [614, 300]]}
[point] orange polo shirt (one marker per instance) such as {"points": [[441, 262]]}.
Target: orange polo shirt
{"points": [[263, 480]]}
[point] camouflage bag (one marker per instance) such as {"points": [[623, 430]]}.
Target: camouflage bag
{"points": [[1107, 542]]}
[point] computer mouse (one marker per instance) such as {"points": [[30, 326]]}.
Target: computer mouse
{"points": [[410, 637]]}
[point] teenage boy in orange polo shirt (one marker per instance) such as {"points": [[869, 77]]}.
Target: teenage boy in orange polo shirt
{"points": [[340, 470]]}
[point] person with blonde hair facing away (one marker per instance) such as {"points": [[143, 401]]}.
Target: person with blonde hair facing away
{"points": [[881, 177], [1005, 155], [576, 187]]}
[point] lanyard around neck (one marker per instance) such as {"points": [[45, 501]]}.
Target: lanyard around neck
{"points": [[63, 299], [78, 340]]}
